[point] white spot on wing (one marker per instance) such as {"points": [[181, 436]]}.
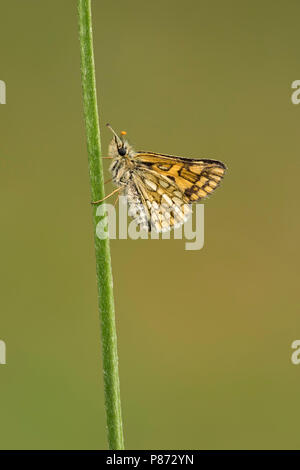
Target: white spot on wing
{"points": [[151, 185], [167, 199], [163, 183]]}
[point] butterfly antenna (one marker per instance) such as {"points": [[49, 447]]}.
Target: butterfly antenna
{"points": [[118, 140]]}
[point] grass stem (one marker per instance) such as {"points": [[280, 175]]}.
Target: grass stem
{"points": [[102, 248]]}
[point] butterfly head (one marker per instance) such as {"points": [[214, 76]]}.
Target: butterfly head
{"points": [[119, 146]]}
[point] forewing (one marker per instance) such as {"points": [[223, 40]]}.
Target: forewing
{"points": [[195, 179]]}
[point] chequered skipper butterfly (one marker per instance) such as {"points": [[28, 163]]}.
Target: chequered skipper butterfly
{"points": [[160, 188]]}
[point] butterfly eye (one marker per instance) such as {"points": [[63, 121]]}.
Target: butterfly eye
{"points": [[122, 151]]}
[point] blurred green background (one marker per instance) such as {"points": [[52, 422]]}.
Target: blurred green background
{"points": [[204, 336]]}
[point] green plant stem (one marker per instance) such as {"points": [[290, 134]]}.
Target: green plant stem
{"points": [[103, 260]]}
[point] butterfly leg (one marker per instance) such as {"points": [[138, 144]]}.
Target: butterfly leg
{"points": [[115, 203], [108, 181], [106, 197]]}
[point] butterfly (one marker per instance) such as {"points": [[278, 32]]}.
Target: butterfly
{"points": [[160, 188]]}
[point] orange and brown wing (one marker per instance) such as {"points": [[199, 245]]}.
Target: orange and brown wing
{"points": [[195, 179]]}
